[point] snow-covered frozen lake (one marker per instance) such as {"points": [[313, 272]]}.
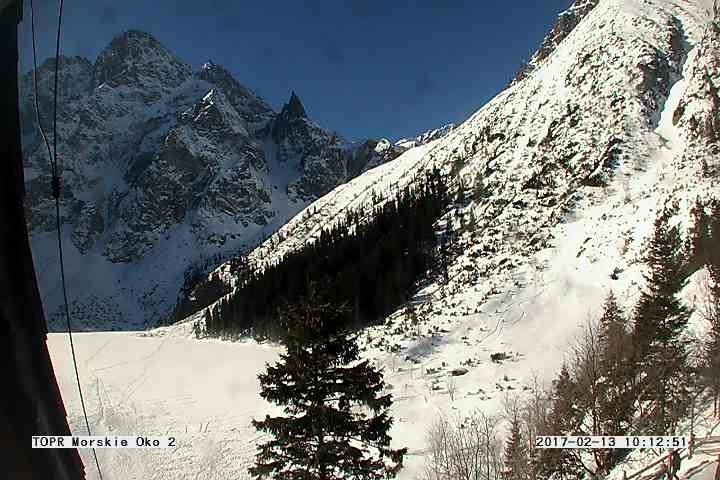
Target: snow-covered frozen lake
{"points": [[203, 392]]}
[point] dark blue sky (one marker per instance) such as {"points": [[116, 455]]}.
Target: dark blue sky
{"points": [[365, 68]]}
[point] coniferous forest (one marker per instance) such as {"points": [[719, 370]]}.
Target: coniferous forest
{"points": [[371, 266], [632, 372]]}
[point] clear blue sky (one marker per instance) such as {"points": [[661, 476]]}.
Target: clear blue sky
{"points": [[365, 68]]}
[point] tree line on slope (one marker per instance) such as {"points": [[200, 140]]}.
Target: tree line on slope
{"points": [[628, 373], [631, 373], [336, 418], [370, 266]]}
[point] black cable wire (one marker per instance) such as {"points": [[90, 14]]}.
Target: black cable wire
{"points": [[35, 86], [55, 95], [67, 318], [55, 172]]}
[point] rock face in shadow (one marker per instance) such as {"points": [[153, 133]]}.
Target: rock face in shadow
{"points": [[160, 160]]}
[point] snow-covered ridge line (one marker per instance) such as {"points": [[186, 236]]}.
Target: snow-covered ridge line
{"points": [[530, 111], [166, 168], [566, 22], [576, 160]]}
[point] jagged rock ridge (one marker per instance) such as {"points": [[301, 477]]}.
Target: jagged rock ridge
{"points": [[586, 129], [164, 169], [566, 22]]}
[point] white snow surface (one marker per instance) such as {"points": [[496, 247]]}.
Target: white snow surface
{"points": [[203, 393], [536, 267]]}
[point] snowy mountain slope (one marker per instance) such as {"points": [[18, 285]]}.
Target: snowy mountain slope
{"points": [[586, 116], [164, 170], [615, 123], [567, 21], [577, 157]]}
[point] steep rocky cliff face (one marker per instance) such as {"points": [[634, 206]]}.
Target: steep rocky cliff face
{"points": [[618, 117], [573, 163], [164, 168], [566, 23]]}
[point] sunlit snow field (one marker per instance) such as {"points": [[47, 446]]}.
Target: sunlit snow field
{"points": [[206, 391], [203, 392]]}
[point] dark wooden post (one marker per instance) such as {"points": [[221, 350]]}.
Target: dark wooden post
{"points": [[30, 402]]}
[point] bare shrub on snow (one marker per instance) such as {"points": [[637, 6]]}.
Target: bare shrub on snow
{"points": [[464, 450]]}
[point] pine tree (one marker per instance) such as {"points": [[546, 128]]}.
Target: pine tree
{"points": [[446, 242], [516, 454], [617, 369], [712, 255], [660, 317], [711, 348], [457, 165], [412, 319], [336, 418], [460, 198], [480, 190], [565, 412], [700, 244], [472, 221], [565, 419], [617, 393], [210, 326]]}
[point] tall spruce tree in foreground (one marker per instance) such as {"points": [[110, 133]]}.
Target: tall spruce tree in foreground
{"points": [[617, 370], [336, 418], [565, 419], [617, 385], [700, 243], [516, 460], [711, 349], [660, 318]]}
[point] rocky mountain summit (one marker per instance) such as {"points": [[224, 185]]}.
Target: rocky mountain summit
{"points": [[164, 168], [565, 170], [565, 24]]}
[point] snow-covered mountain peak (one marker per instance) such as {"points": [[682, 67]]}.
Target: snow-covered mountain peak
{"points": [[166, 170], [292, 111], [294, 108], [138, 61], [254, 110]]}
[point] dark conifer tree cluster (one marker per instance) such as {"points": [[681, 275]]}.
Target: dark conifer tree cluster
{"points": [[372, 265], [661, 355], [632, 375], [336, 419], [705, 250]]}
